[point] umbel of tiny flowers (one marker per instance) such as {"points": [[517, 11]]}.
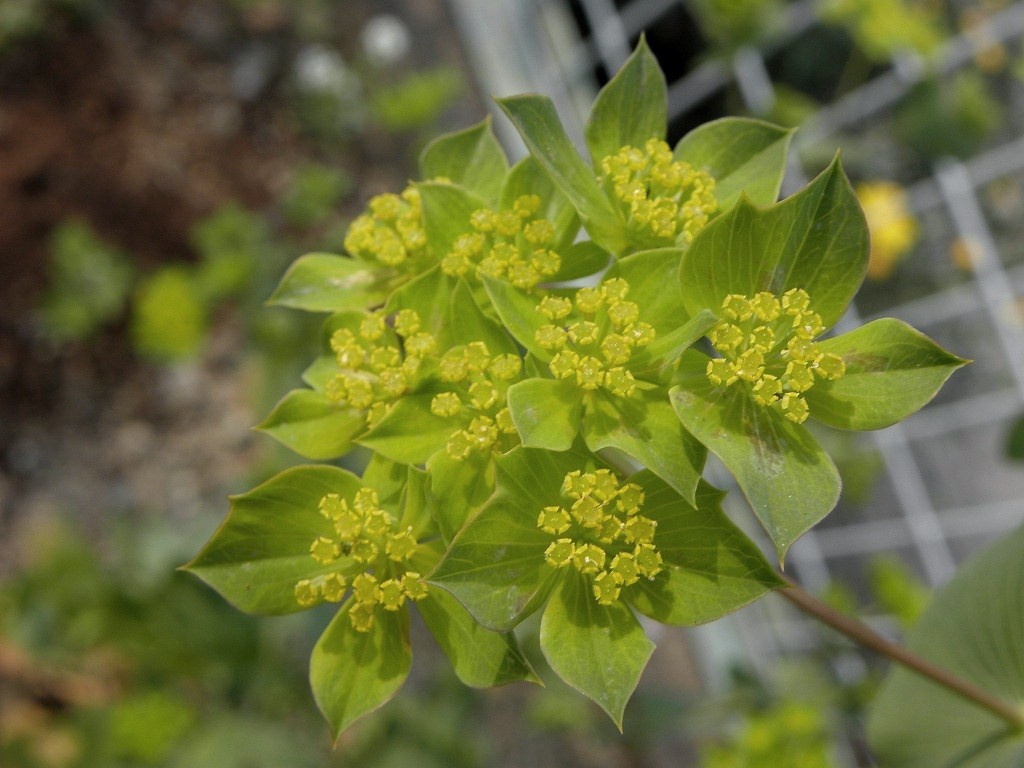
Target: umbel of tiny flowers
{"points": [[513, 245], [369, 553], [378, 363], [564, 535], [600, 532], [474, 385], [594, 346], [664, 201], [391, 233], [787, 278], [769, 346], [458, 403], [609, 363]]}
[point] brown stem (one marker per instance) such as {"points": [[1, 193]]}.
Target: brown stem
{"points": [[862, 634]]}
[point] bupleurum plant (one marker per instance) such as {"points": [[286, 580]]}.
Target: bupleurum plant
{"points": [[537, 447]]}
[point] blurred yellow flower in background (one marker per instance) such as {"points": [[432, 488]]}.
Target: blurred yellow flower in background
{"points": [[894, 230]]}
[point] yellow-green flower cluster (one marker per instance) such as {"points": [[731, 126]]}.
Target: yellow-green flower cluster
{"points": [[596, 346], [664, 199], [477, 386], [371, 553], [768, 344], [600, 532], [513, 245], [391, 231], [374, 372]]}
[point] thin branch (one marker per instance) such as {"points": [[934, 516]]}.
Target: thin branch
{"points": [[862, 634]]}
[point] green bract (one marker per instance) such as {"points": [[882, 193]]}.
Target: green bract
{"points": [[565, 534], [778, 278], [536, 447]]}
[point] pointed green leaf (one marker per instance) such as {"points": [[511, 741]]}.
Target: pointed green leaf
{"points": [[320, 371], [446, 211], [789, 480], [600, 650], [416, 505], [581, 259], [459, 488], [388, 478], [312, 426], [527, 177], [480, 657], [428, 295], [645, 428], [816, 239], [745, 157], [892, 370], [631, 108], [353, 673], [467, 323], [546, 412], [320, 282], [518, 311], [262, 548], [538, 124], [654, 286], [495, 566], [409, 433], [975, 629], [711, 567], [472, 158]]}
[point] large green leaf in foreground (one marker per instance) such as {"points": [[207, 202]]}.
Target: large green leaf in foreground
{"points": [[892, 370], [975, 629], [789, 480], [746, 157], [471, 157], [631, 109], [600, 650], [353, 673], [262, 549], [816, 239]]}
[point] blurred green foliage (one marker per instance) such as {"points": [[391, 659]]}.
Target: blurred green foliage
{"points": [[732, 23], [1015, 440], [89, 283], [897, 590], [788, 733], [949, 117], [315, 193], [183, 680], [169, 316], [174, 669], [231, 243], [417, 101], [23, 20], [884, 28]]}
